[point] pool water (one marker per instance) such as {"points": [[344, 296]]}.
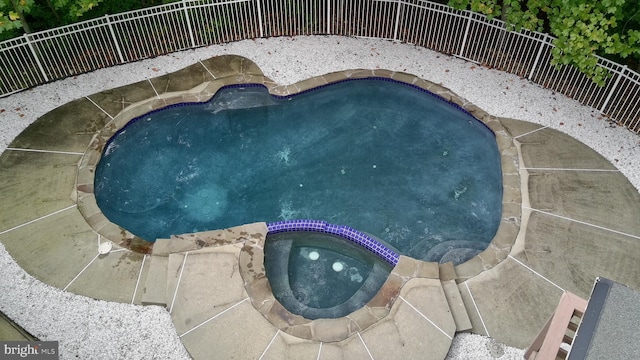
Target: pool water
{"points": [[379, 156], [320, 275]]}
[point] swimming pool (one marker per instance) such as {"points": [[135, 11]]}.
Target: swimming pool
{"points": [[384, 157]]}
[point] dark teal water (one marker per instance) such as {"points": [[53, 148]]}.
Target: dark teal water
{"points": [[378, 156], [318, 287]]}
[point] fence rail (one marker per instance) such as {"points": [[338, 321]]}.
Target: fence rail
{"points": [[37, 58]]}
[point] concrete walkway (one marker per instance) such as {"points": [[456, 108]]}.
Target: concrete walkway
{"points": [[579, 219], [10, 331], [214, 283]]}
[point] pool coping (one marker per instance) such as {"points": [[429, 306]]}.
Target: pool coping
{"points": [[251, 238], [252, 255]]}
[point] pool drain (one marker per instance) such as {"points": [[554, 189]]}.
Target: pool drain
{"points": [[337, 266]]}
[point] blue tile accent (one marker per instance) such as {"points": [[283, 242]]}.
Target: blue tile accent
{"points": [[343, 231]]}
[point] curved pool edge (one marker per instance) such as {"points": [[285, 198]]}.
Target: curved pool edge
{"points": [[251, 256], [250, 238], [249, 73], [355, 236]]}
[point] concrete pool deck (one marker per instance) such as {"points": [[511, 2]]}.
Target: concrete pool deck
{"points": [[579, 221]]}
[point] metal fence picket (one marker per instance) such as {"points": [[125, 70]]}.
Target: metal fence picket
{"points": [[36, 58], [49, 55]]}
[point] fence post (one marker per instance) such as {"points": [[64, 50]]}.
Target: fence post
{"points": [[535, 62], [114, 38], [328, 17], [466, 33], [395, 30], [35, 56], [613, 89], [188, 19], [259, 6]]}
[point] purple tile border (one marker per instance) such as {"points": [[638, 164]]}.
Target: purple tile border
{"points": [[343, 231]]}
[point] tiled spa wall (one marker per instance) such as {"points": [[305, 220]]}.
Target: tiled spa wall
{"points": [[343, 231]]}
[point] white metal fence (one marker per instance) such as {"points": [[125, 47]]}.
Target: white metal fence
{"points": [[45, 56]]}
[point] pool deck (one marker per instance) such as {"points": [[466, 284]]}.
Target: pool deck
{"points": [[577, 220]]}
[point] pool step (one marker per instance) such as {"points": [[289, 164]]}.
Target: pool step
{"points": [[158, 282], [155, 284], [452, 293]]}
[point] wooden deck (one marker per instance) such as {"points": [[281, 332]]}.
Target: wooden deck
{"points": [[555, 339]]}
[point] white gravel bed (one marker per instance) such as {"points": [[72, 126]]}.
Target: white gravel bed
{"points": [[88, 328]]}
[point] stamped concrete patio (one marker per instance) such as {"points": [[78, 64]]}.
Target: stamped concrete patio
{"points": [[570, 216]]}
